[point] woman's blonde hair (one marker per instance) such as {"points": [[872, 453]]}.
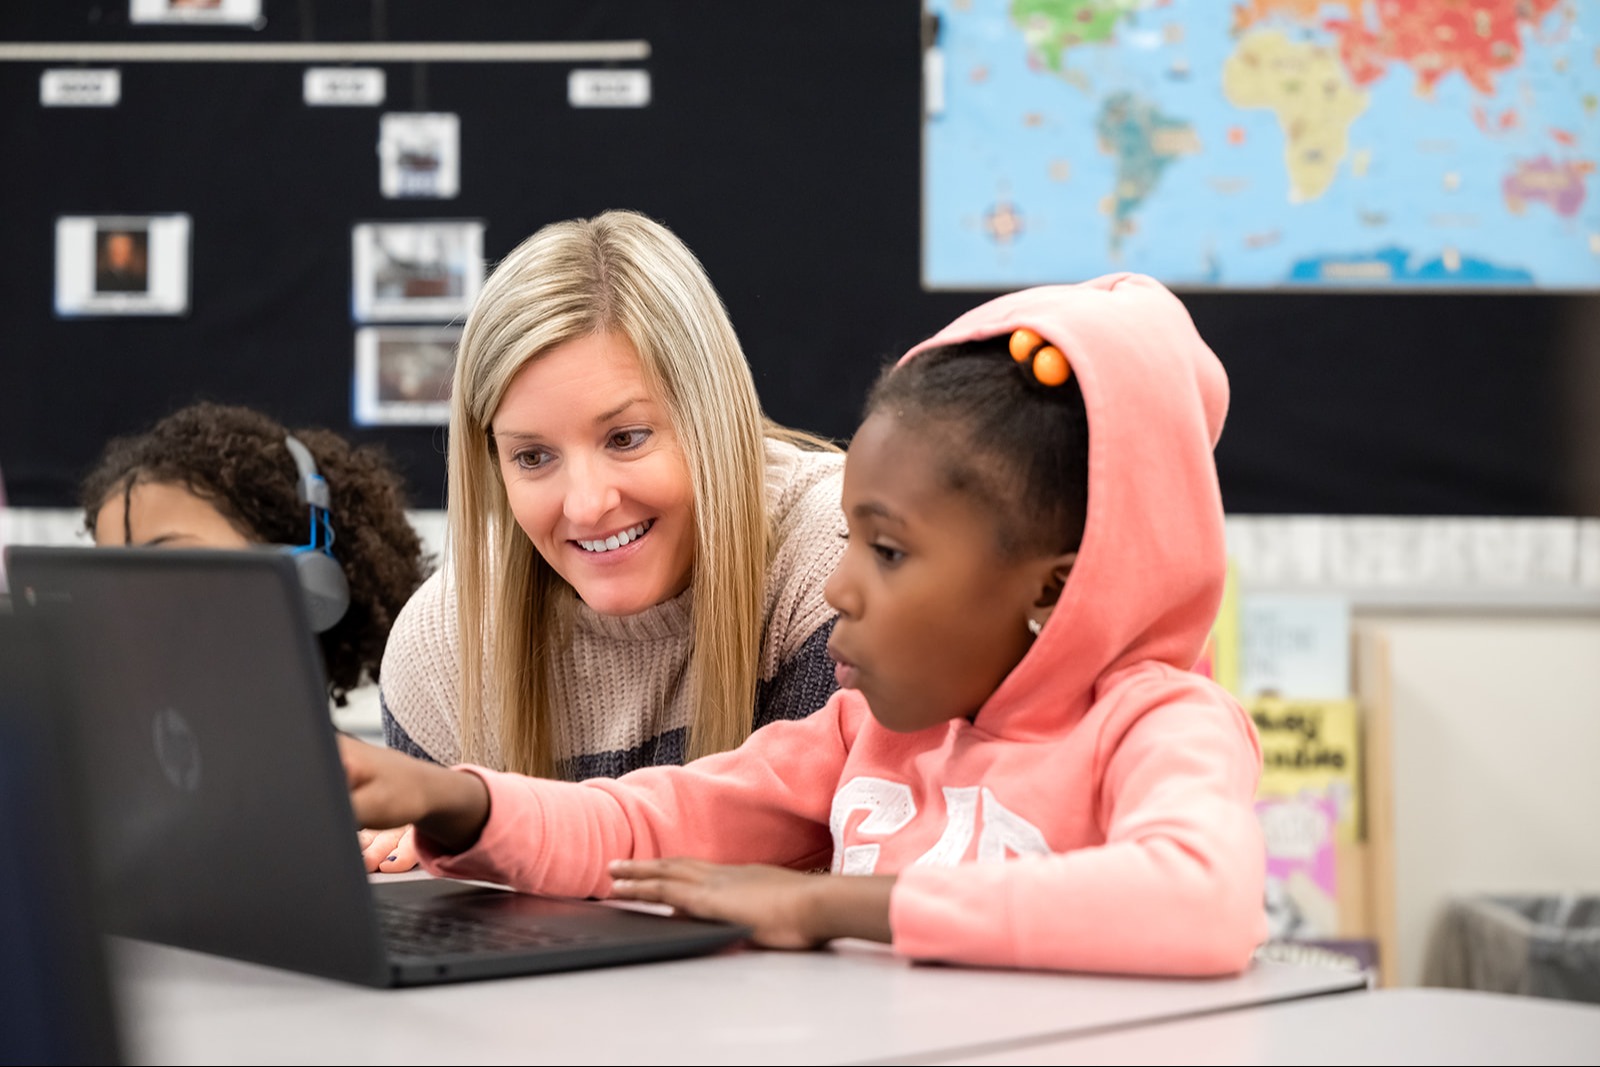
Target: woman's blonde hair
{"points": [[624, 274]]}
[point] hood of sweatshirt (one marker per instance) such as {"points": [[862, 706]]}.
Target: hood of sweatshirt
{"points": [[1150, 570]]}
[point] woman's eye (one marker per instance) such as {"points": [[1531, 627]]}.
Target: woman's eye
{"points": [[530, 459], [628, 440]]}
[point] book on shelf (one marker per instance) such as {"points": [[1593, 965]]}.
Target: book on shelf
{"points": [[1296, 644], [1309, 804]]}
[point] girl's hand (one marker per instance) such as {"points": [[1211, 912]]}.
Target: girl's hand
{"points": [[389, 790], [785, 909], [389, 851]]}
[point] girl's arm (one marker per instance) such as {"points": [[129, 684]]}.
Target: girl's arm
{"points": [[766, 802]]}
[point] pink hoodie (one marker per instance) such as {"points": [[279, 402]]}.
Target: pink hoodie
{"points": [[1096, 813]]}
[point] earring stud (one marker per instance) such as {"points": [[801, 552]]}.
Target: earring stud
{"points": [[1035, 627]]}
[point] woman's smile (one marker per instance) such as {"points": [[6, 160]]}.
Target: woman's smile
{"points": [[602, 545]]}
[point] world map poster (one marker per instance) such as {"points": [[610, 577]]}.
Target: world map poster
{"points": [[1260, 144]]}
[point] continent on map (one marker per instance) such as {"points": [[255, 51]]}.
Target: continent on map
{"points": [[1315, 102], [1479, 38], [1145, 142], [1397, 265], [1050, 27], [1247, 14], [1560, 186]]}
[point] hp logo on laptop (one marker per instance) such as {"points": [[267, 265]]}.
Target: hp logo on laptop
{"points": [[177, 750]]}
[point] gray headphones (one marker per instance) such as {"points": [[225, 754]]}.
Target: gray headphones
{"points": [[322, 579]]}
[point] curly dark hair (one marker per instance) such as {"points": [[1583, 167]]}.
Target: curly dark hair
{"points": [[1019, 449], [235, 459]]}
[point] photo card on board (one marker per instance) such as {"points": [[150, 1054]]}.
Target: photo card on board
{"points": [[416, 271], [419, 155], [122, 265], [209, 12], [402, 375]]}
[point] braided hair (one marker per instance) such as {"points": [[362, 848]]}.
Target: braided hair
{"points": [[1017, 448]]}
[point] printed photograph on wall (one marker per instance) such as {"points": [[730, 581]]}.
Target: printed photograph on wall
{"points": [[402, 375], [415, 271], [122, 265], [215, 12], [122, 259], [419, 155]]}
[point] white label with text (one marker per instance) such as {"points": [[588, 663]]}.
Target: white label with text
{"points": [[608, 88], [80, 88], [344, 86]]}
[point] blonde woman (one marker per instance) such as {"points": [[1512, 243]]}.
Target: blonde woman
{"points": [[636, 555]]}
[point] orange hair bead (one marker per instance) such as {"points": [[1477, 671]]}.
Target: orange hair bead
{"points": [[1050, 366], [1023, 342]]}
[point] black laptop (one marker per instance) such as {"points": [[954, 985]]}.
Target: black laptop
{"points": [[55, 991], [217, 803]]}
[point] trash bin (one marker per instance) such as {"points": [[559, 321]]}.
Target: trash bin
{"points": [[1542, 946]]}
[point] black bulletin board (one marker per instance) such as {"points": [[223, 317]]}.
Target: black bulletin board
{"points": [[783, 144]]}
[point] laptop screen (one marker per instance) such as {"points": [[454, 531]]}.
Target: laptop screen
{"points": [[55, 1005], [218, 810]]}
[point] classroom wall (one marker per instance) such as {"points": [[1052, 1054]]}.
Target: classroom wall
{"points": [[784, 145]]}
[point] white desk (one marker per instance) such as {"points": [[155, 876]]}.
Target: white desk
{"points": [[1401, 1026], [853, 1002]]}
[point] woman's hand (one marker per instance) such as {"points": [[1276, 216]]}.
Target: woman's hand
{"points": [[785, 909], [389, 790], [389, 851]]}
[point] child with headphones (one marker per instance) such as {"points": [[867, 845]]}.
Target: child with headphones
{"points": [[218, 476], [1021, 767]]}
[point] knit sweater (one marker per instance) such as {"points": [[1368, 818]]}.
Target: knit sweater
{"points": [[622, 686], [1095, 814]]}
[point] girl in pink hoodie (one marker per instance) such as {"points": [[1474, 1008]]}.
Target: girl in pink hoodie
{"points": [[1020, 768]]}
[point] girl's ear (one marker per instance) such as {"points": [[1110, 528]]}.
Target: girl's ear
{"points": [[1055, 580]]}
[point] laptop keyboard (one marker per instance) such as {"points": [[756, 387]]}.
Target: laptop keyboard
{"points": [[410, 930]]}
